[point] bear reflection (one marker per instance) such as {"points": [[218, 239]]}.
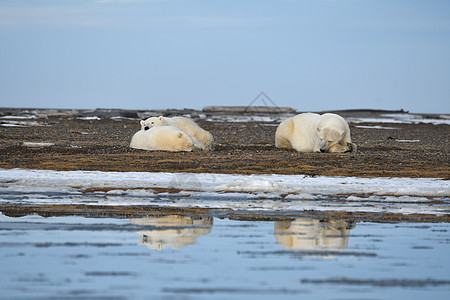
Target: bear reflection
{"points": [[172, 231], [313, 234]]}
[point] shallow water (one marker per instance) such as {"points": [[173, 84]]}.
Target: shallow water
{"points": [[204, 257]]}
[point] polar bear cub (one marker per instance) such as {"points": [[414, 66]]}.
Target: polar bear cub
{"points": [[185, 124], [310, 132], [167, 138]]}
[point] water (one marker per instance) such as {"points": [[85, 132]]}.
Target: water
{"points": [[140, 235], [195, 256]]}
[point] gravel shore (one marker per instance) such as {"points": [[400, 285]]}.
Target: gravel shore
{"points": [[99, 140]]}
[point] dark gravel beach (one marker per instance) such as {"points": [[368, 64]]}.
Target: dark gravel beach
{"points": [[88, 143]]}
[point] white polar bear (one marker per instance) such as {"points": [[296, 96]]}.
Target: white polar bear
{"points": [[167, 138], [185, 124], [310, 132]]}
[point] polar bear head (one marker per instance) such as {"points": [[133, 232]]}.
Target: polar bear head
{"points": [[152, 122], [328, 137]]}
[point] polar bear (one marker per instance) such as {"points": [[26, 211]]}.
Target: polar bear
{"points": [[167, 138], [310, 132], [185, 124]]}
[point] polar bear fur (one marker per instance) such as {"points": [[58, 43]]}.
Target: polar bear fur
{"points": [[310, 132], [167, 138], [185, 124]]}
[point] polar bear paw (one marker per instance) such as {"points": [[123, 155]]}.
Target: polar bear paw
{"points": [[338, 148]]}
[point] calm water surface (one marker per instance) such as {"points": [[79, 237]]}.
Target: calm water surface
{"points": [[197, 257]]}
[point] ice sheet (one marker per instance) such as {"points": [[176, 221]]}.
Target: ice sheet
{"points": [[402, 118], [408, 118], [230, 191]]}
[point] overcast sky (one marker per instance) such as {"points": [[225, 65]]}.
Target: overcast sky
{"points": [[309, 55]]}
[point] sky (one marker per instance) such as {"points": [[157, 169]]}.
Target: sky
{"points": [[156, 54]]}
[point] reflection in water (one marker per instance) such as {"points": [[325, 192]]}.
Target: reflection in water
{"points": [[80, 257], [172, 231], [313, 234], [304, 234]]}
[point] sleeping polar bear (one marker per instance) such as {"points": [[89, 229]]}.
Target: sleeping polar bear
{"points": [[167, 138], [310, 132], [185, 124]]}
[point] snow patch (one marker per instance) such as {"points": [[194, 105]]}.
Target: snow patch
{"points": [[90, 118], [227, 191], [36, 144]]}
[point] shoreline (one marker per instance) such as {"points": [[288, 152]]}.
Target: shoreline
{"points": [[98, 140], [135, 211]]}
